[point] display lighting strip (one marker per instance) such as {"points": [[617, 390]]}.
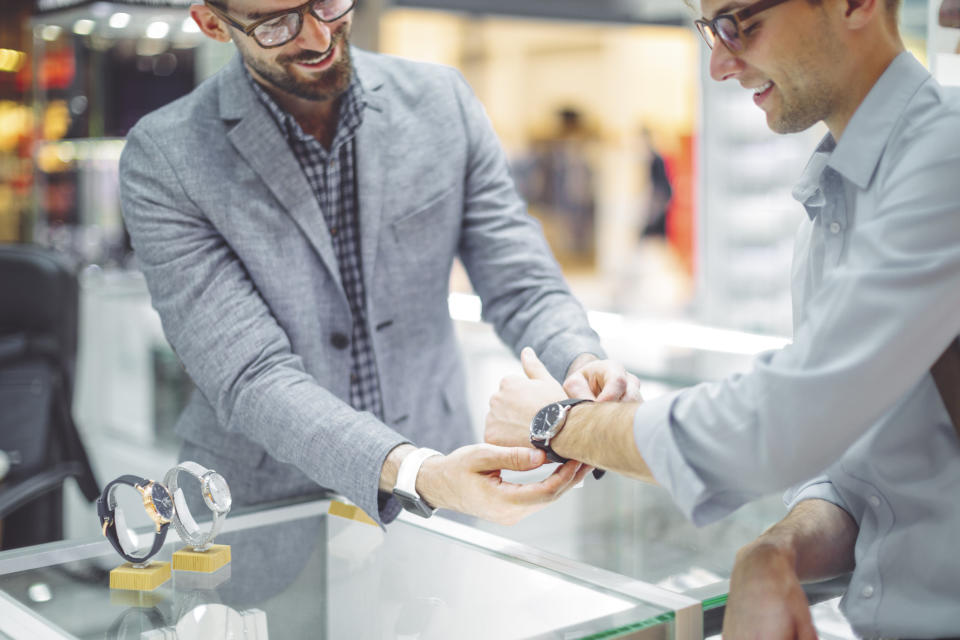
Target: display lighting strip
{"points": [[686, 335], [11, 60]]}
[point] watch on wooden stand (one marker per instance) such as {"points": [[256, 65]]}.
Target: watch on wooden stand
{"points": [[200, 554], [140, 573]]}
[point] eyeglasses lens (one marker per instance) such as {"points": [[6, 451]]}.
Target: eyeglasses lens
{"points": [[329, 10], [282, 29], [728, 32], [279, 30], [706, 31]]}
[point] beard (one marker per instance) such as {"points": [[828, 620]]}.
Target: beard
{"points": [[808, 94], [800, 112], [328, 85]]}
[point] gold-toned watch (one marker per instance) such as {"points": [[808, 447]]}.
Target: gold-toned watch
{"points": [[157, 502]]}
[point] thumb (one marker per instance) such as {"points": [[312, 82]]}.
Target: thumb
{"points": [[532, 366], [495, 458]]}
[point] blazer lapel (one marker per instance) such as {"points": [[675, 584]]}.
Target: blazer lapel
{"points": [[374, 158], [258, 139]]}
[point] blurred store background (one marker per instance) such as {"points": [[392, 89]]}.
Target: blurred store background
{"points": [[663, 194]]}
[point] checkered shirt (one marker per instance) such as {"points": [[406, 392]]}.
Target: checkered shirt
{"points": [[333, 178]]}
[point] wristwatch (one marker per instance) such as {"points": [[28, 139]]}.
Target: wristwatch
{"points": [[406, 487], [156, 500], [547, 424], [216, 495]]}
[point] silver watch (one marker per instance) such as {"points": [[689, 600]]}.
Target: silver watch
{"points": [[216, 495]]}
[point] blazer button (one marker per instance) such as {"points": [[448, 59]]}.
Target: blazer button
{"points": [[339, 341]]}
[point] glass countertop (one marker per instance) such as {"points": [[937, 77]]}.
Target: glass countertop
{"points": [[299, 572]]}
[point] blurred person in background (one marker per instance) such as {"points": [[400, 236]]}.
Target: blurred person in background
{"points": [[296, 217], [850, 414], [660, 190]]}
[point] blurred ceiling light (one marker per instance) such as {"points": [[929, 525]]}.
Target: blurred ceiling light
{"points": [[119, 20], [12, 60], [190, 26], [83, 27], [51, 32], [158, 30]]}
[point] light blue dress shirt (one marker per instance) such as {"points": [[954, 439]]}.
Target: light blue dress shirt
{"points": [[851, 403]]}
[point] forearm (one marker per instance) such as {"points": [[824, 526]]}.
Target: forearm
{"points": [[601, 435], [816, 537]]}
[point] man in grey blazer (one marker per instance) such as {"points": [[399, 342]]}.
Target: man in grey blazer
{"points": [[296, 217]]}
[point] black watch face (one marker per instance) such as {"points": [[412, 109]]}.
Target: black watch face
{"points": [[162, 500], [545, 420]]}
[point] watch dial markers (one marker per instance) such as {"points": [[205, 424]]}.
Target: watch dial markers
{"points": [[219, 492], [162, 500]]}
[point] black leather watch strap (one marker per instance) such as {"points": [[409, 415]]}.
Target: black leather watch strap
{"points": [[106, 511], [552, 455]]}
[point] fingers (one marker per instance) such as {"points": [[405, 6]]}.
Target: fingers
{"points": [[532, 366], [577, 386], [493, 458], [633, 393], [581, 474], [613, 389], [548, 489]]}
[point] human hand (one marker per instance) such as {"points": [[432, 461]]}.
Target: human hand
{"points": [[468, 480], [514, 406], [603, 381], [766, 599]]}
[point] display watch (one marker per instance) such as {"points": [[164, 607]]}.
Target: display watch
{"points": [[157, 502], [406, 488], [547, 424], [216, 495]]}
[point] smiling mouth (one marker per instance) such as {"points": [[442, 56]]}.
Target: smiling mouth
{"points": [[760, 93], [763, 88], [318, 60]]}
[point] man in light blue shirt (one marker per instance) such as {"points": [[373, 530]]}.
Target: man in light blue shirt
{"points": [[850, 403]]}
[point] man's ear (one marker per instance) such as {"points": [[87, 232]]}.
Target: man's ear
{"points": [[859, 13], [209, 23]]}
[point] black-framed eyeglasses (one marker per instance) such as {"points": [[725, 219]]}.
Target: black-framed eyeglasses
{"points": [[279, 28], [726, 26]]}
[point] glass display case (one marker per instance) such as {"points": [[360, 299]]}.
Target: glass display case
{"points": [[298, 571]]}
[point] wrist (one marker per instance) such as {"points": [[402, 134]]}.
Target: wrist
{"points": [[566, 435], [432, 483], [775, 549], [391, 465]]}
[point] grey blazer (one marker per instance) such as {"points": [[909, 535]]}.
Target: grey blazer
{"points": [[242, 271]]}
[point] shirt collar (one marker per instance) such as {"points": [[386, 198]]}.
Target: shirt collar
{"points": [[860, 147], [349, 120], [809, 191]]}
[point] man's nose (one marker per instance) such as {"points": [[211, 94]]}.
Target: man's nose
{"points": [[723, 64], [315, 33]]}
